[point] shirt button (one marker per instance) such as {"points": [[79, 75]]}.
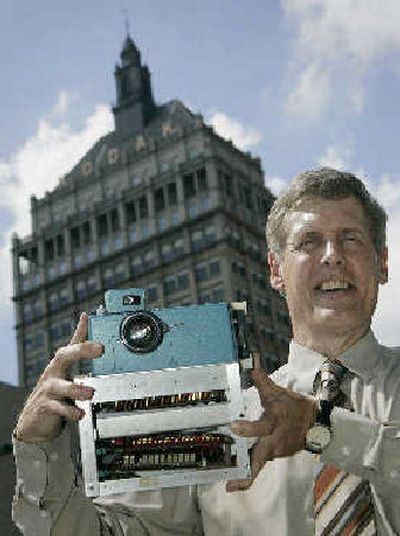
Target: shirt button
{"points": [[54, 456], [345, 451]]}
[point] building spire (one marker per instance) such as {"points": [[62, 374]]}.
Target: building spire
{"points": [[126, 23], [135, 103]]}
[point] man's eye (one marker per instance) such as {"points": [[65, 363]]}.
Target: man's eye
{"points": [[307, 243], [349, 237]]}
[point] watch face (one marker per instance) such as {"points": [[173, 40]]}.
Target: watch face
{"points": [[318, 437]]}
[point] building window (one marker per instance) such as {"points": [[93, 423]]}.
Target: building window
{"points": [[152, 294], [27, 312], [34, 341], [189, 188], [49, 250], [159, 201], [204, 297], [136, 181], [60, 245], [120, 272], [103, 225], [167, 252], [91, 284], [63, 296], [130, 212], [226, 183], [169, 285], [172, 249], [242, 295], [53, 301], [172, 194], [201, 272], [218, 294], [108, 277], [143, 207], [183, 280], [194, 183], [238, 268], [80, 289], [149, 258], [115, 223], [207, 270], [201, 176]]}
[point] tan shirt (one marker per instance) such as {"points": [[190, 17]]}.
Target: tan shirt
{"points": [[49, 499]]}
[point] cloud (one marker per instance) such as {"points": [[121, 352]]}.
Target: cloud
{"points": [[386, 323], [311, 94], [276, 184], [336, 157], [336, 42], [62, 105], [37, 166], [241, 135]]}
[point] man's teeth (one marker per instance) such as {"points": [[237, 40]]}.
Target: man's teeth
{"points": [[334, 285]]}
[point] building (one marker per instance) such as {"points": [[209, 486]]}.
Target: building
{"points": [[162, 202]]}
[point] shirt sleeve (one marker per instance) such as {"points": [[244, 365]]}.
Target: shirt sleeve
{"points": [[47, 497], [365, 447]]}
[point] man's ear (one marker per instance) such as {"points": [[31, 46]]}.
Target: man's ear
{"points": [[383, 267], [275, 270]]}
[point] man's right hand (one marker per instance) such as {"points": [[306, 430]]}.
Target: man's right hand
{"points": [[52, 398]]}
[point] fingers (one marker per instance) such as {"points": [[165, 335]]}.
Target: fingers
{"points": [[263, 382], [58, 388], [261, 452], [258, 428], [56, 407], [80, 334], [68, 355]]}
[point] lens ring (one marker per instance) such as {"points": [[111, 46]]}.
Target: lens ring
{"points": [[141, 332]]}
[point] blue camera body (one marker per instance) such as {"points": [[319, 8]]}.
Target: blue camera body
{"points": [[187, 335]]}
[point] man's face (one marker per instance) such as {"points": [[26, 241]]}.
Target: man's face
{"points": [[330, 270]]}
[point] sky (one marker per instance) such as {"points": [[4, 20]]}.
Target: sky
{"points": [[300, 83]]}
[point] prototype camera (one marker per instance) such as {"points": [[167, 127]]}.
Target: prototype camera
{"points": [[166, 389]]}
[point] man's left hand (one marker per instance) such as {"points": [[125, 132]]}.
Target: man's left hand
{"points": [[280, 431]]}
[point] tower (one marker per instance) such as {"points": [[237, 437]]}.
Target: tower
{"points": [[134, 104]]}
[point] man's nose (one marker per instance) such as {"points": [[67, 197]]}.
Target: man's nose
{"points": [[332, 252]]}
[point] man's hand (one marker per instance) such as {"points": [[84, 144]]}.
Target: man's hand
{"points": [[281, 430], [52, 398]]}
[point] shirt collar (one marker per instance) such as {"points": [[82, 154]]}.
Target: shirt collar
{"points": [[303, 363]]}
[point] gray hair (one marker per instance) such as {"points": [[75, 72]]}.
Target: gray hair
{"points": [[324, 183]]}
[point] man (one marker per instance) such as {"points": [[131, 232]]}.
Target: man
{"points": [[327, 255]]}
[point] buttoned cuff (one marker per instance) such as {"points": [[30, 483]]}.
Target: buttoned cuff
{"points": [[365, 447]]}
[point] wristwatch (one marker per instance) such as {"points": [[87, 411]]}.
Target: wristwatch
{"points": [[320, 434]]}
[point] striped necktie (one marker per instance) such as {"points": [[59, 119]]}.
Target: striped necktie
{"points": [[342, 501]]}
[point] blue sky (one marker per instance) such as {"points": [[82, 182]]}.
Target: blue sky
{"points": [[298, 82]]}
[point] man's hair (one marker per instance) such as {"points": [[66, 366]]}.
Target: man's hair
{"points": [[324, 183]]}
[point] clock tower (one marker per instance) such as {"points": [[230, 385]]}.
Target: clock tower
{"points": [[135, 104]]}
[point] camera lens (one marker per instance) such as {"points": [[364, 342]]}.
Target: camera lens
{"points": [[141, 332]]}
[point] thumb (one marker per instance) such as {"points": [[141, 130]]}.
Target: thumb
{"points": [[80, 334]]}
